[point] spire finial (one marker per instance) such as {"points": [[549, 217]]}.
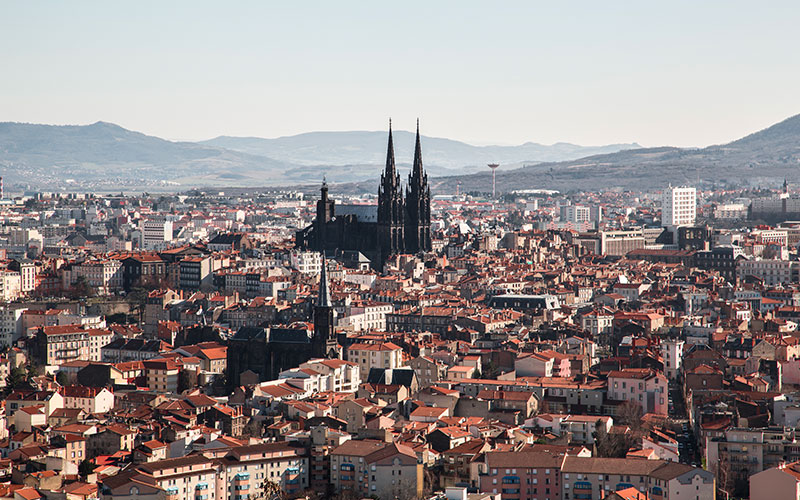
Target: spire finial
{"points": [[324, 297], [390, 124]]}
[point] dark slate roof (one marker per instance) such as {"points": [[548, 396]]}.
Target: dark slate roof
{"points": [[289, 335], [250, 333], [398, 376]]}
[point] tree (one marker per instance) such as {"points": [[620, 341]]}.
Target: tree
{"points": [[253, 428], [17, 376], [61, 378], [82, 288], [611, 445], [630, 413], [86, 467], [268, 490], [185, 381]]}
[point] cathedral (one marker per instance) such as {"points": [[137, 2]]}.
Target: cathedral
{"points": [[400, 223], [267, 351]]}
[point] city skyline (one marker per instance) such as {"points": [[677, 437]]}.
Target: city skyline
{"points": [[681, 75]]}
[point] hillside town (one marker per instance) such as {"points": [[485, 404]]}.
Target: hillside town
{"points": [[542, 346]]}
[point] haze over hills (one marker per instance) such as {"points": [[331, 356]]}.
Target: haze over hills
{"points": [[442, 156], [763, 158], [107, 155]]}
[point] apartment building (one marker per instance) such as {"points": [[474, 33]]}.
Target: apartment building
{"points": [[643, 386], [245, 469], [97, 340], [88, 399], [193, 476], [770, 271], [367, 316], [588, 478], [156, 234], [672, 354], [365, 468], [329, 374], [162, 375], [678, 206], [59, 344], [778, 482], [11, 325], [381, 355], [745, 452], [522, 475]]}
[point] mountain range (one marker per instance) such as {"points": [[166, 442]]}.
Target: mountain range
{"points": [[106, 156], [764, 158]]}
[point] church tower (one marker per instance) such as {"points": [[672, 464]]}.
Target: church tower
{"points": [[418, 205], [324, 344], [325, 213], [391, 213]]}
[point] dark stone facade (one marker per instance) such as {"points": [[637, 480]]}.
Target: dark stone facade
{"points": [[402, 224], [269, 351]]}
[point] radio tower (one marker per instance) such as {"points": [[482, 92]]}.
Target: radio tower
{"points": [[494, 166]]}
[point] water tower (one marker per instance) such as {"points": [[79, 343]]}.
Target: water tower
{"points": [[494, 166]]}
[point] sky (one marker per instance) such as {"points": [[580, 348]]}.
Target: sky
{"points": [[681, 73]]}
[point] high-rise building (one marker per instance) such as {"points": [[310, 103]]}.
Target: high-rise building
{"points": [[574, 213], [678, 206]]}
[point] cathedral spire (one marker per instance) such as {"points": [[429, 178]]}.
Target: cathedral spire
{"points": [[416, 172], [324, 297], [391, 170]]}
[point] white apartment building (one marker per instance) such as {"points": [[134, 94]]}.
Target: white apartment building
{"points": [[306, 262], [598, 322], [10, 325], [772, 271], [10, 285], [678, 206], [320, 375], [98, 339], [575, 214], [103, 276], [27, 272], [156, 234], [672, 354], [367, 316], [383, 355], [730, 211]]}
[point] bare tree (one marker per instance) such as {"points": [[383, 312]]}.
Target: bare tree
{"points": [[630, 413]]}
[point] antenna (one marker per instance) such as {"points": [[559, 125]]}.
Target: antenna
{"points": [[494, 166]]}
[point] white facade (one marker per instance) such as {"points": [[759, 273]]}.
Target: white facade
{"points": [[156, 234], [10, 325], [678, 206], [772, 271], [306, 262], [575, 214], [672, 354], [367, 316], [10, 285]]}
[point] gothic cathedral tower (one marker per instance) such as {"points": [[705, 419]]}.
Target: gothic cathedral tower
{"points": [[418, 206], [324, 344], [391, 213]]}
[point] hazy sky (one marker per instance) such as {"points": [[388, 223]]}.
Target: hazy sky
{"points": [[680, 73]]}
